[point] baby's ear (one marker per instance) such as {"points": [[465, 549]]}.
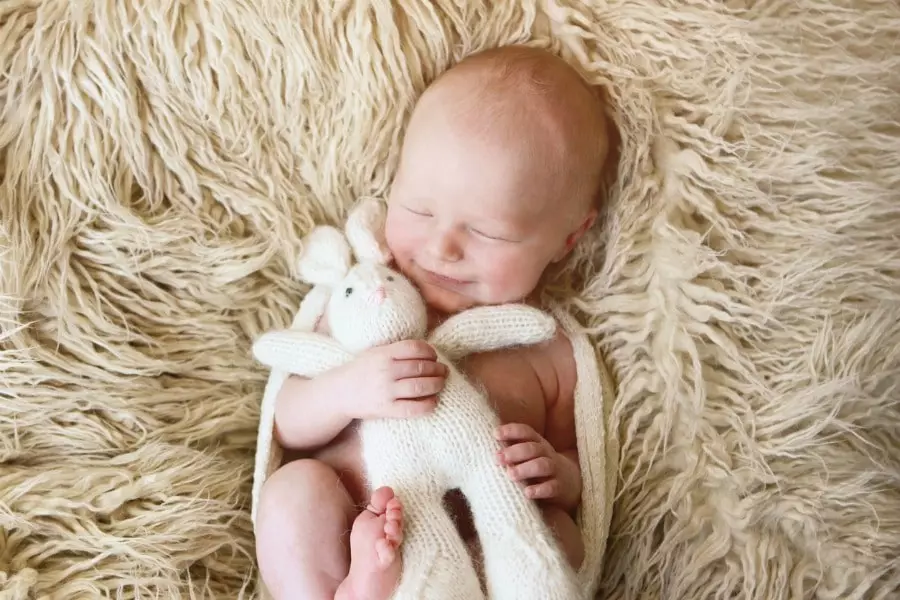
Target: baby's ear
{"points": [[365, 231], [573, 238], [325, 256]]}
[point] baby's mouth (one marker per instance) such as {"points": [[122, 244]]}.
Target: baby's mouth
{"points": [[443, 280]]}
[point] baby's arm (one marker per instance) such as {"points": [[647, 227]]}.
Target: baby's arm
{"points": [[547, 461], [570, 484], [393, 381], [560, 430], [311, 408], [310, 413]]}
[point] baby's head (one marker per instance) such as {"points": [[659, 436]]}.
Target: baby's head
{"points": [[499, 177]]}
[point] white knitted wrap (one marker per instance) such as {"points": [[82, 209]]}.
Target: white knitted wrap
{"points": [[424, 457]]}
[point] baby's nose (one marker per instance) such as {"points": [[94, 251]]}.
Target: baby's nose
{"points": [[378, 295]]}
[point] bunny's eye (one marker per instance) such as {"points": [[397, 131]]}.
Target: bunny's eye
{"points": [[390, 277], [347, 292]]}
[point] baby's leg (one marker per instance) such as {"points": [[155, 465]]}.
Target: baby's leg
{"points": [[567, 533], [303, 531]]}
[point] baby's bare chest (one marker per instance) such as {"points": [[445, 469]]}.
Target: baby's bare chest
{"points": [[512, 386]]}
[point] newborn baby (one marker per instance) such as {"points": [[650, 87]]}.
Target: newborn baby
{"points": [[499, 177]]}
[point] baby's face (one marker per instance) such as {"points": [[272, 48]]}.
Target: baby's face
{"points": [[473, 222]]}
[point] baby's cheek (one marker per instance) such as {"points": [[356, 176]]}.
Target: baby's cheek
{"points": [[511, 280], [399, 244]]}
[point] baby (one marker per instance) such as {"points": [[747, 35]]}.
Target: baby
{"points": [[499, 177]]}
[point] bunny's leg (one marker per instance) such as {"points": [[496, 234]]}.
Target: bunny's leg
{"points": [[436, 563], [522, 560]]}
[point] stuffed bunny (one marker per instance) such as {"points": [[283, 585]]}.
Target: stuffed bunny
{"points": [[454, 447]]}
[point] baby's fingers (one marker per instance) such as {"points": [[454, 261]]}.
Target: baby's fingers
{"points": [[544, 490], [518, 453], [406, 369], [407, 409], [412, 349], [533, 469], [517, 432], [418, 387]]}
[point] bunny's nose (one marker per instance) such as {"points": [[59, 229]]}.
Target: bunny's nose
{"points": [[379, 295]]}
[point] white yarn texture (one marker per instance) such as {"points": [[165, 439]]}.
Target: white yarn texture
{"points": [[422, 458]]}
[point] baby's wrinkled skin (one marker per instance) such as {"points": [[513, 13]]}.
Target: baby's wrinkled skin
{"points": [[498, 180]]}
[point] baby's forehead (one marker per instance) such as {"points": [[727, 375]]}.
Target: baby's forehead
{"points": [[514, 110]]}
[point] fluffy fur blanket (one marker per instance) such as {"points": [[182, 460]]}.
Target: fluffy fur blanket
{"points": [[159, 161]]}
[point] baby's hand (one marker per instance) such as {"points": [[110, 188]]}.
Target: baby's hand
{"points": [[397, 380], [529, 458]]}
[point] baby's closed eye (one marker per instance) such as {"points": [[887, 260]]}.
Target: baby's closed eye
{"points": [[418, 212], [496, 237]]}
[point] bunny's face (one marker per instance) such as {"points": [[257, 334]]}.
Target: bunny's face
{"points": [[374, 305]]}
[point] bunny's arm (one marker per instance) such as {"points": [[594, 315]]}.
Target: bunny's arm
{"points": [[301, 353], [488, 328]]}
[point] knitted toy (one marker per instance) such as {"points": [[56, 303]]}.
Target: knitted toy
{"points": [[422, 458]]}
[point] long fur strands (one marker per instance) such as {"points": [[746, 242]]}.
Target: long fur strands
{"points": [[160, 160]]}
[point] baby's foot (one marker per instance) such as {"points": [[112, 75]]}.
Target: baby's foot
{"points": [[374, 548]]}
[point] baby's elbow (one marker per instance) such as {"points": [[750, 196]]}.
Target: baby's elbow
{"points": [[292, 389]]}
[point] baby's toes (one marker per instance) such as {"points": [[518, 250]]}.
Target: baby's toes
{"points": [[393, 526], [393, 532], [386, 552], [381, 500], [394, 510]]}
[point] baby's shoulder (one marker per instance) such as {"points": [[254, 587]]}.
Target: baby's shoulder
{"points": [[555, 360]]}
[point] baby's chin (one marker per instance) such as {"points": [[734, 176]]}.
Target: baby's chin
{"points": [[445, 301], [449, 302]]}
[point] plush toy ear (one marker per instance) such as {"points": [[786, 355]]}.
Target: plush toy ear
{"points": [[325, 257], [365, 231]]}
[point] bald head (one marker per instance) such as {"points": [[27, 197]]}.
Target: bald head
{"points": [[529, 101], [498, 178]]}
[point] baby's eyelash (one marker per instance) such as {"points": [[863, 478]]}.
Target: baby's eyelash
{"points": [[490, 237], [416, 212]]}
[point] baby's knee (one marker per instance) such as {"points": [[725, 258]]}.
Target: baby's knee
{"points": [[567, 533], [302, 483], [300, 495]]}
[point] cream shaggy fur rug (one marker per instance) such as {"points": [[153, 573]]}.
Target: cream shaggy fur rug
{"points": [[157, 167]]}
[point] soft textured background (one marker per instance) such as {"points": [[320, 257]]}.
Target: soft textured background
{"points": [[157, 167]]}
